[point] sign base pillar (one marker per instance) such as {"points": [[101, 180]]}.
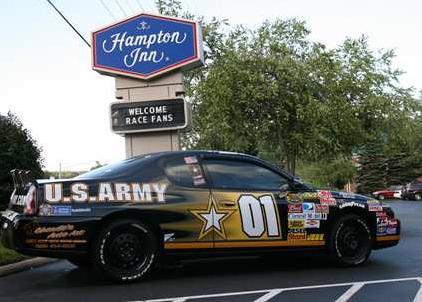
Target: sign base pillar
{"points": [[142, 143]]}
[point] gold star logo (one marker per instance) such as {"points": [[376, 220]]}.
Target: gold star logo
{"points": [[212, 219]]}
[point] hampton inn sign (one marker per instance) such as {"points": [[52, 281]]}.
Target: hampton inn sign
{"points": [[146, 46], [147, 54]]}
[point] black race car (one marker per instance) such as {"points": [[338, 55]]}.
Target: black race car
{"points": [[125, 217]]}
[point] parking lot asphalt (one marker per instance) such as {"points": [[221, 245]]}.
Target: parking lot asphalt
{"points": [[392, 274]]}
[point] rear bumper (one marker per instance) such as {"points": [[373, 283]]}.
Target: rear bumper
{"points": [[58, 237]]}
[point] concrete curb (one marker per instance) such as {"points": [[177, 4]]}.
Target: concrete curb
{"points": [[25, 265]]}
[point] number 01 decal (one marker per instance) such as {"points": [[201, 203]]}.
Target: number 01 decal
{"points": [[259, 215]]}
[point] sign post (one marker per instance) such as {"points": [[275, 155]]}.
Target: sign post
{"points": [[147, 54]]}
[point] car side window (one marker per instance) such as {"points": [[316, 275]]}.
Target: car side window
{"points": [[234, 174], [182, 172]]}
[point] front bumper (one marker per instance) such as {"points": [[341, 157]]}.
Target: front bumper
{"points": [[57, 237], [388, 239]]}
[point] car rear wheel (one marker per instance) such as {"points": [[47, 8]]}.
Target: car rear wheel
{"points": [[418, 196], [125, 250], [350, 241]]}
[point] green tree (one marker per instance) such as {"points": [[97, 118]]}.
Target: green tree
{"points": [[17, 150], [372, 169], [275, 93], [331, 174], [272, 91], [169, 7]]}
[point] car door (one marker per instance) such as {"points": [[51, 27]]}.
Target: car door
{"points": [[187, 190], [246, 206]]}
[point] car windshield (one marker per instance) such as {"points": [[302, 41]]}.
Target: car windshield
{"points": [[114, 169]]}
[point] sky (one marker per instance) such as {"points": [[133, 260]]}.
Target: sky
{"points": [[47, 80]]}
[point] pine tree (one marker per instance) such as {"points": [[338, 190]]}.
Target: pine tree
{"points": [[372, 169]]}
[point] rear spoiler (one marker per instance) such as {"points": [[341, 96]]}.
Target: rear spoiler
{"points": [[21, 199], [22, 179]]}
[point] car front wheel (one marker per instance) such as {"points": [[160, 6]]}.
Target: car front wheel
{"points": [[125, 250], [350, 241]]}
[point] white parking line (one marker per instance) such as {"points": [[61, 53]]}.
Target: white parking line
{"points": [[350, 292], [418, 297], [270, 293]]}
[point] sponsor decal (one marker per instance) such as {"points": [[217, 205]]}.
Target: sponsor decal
{"points": [[386, 226], [315, 237], [296, 216], [296, 223], [310, 196], [296, 235], [295, 208], [374, 208], [65, 236], [322, 208], [312, 223], [81, 210], [299, 197], [308, 207], [382, 220], [54, 210], [197, 175], [328, 202], [347, 195], [293, 198], [391, 230], [373, 202], [317, 216], [351, 204], [190, 160], [392, 223], [381, 229], [381, 214], [107, 192], [326, 198], [61, 211], [45, 210]]}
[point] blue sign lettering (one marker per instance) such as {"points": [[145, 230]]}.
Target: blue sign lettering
{"points": [[147, 45]]}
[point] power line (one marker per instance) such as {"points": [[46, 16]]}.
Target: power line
{"points": [[121, 8], [68, 22], [108, 10]]}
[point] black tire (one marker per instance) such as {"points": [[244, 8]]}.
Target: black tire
{"points": [[80, 261], [125, 250], [350, 241]]}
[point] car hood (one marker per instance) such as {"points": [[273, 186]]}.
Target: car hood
{"points": [[347, 196]]}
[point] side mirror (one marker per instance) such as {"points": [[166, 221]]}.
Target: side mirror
{"points": [[285, 187]]}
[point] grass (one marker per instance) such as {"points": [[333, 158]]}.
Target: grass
{"points": [[8, 256]]}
